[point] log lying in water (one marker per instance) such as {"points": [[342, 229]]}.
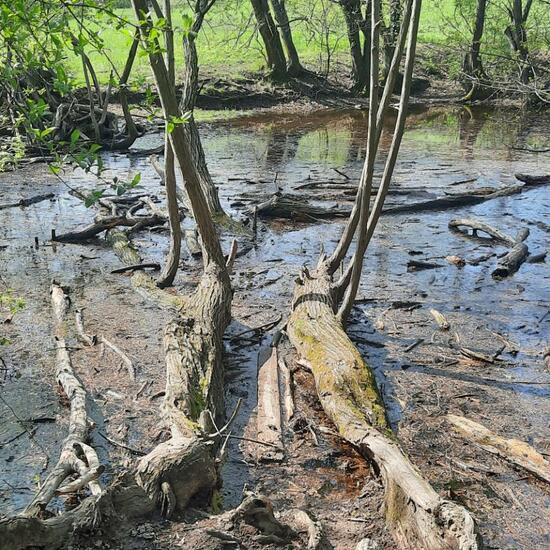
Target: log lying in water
{"points": [[76, 455], [533, 180], [515, 451], [477, 225], [28, 201], [348, 393], [510, 263], [455, 201], [288, 206]]}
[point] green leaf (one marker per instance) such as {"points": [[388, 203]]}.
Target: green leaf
{"points": [[75, 135]]}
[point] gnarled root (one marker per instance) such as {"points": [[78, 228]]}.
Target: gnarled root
{"points": [[419, 517]]}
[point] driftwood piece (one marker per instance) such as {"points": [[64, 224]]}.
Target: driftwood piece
{"points": [[510, 263], [268, 419], [515, 451], [477, 225], [347, 390], [533, 180], [419, 265], [440, 319], [105, 223], [27, 202]]}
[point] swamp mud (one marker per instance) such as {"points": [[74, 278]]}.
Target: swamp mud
{"points": [[442, 334]]}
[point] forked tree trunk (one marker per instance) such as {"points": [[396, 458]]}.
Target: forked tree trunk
{"points": [[472, 66], [417, 515], [185, 465], [270, 36], [294, 67]]}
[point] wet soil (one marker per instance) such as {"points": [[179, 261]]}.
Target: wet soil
{"points": [[250, 158]]}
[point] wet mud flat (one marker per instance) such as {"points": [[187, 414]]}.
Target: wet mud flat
{"points": [[421, 369]]}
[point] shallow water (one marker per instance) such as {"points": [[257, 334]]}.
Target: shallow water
{"points": [[260, 154]]}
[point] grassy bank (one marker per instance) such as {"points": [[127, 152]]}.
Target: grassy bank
{"points": [[229, 46]]}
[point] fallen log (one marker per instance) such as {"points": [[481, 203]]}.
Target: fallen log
{"points": [[105, 223], [455, 201], [288, 206], [513, 450], [27, 202], [477, 225], [268, 419], [510, 263], [533, 180], [347, 390]]}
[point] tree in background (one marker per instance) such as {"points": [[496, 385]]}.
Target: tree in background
{"points": [[275, 55]]}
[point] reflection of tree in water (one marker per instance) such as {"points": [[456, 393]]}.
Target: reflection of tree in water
{"points": [[470, 125]]}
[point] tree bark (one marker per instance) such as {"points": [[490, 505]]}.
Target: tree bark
{"points": [[517, 38], [472, 66], [360, 56], [347, 389], [168, 273], [294, 67], [270, 36], [187, 105]]}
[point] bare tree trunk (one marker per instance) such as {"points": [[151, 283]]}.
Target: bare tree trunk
{"points": [[472, 66], [187, 105], [168, 273], [268, 31], [360, 57], [294, 67], [390, 34], [517, 37]]}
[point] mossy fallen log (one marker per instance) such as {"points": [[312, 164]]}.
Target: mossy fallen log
{"points": [[347, 390]]}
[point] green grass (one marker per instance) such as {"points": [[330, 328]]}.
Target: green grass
{"points": [[226, 50]]}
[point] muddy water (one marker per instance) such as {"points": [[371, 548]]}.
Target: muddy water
{"points": [[258, 155]]}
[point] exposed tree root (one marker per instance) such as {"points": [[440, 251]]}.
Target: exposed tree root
{"points": [[419, 517]]}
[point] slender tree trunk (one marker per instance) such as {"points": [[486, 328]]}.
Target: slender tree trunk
{"points": [[390, 34], [355, 24], [268, 31], [517, 37], [472, 66], [168, 273], [294, 67], [187, 105]]}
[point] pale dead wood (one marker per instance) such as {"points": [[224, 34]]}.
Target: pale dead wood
{"points": [[477, 225], [440, 319], [513, 450], [286, 378], [232, 255], [76, 456], [268, 420]]}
